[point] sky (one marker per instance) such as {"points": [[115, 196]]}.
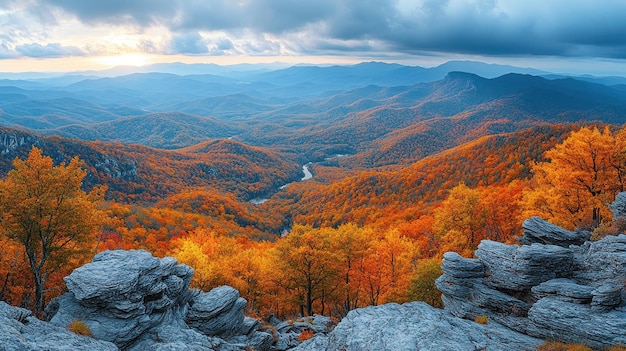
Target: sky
{"points": [[574, 36]]}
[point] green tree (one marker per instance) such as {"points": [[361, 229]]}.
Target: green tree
{"points": [[43, 208], [423, 284]]}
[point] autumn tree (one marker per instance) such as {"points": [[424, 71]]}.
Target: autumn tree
{"points": [[580, 178], [423, 284], [388, 266], [308, 267], [460, 220], [43, 208], [351, 244]]}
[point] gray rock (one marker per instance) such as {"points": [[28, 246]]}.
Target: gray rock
{"points": [[287, 341], [218, 312], [249, 325], [556, 319], [169, 337], [456, 266], [520, 268], [602, 261], [454, 287], [321, 324], [21, 332], [134, 301], [537, 230], [574, 294], [498, 302], [122, 294], [260, 341], [606, 297], [618, 207], [416, 326], [284, 327], [565, 290]]}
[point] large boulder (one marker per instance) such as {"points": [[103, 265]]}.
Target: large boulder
{"points": [[540, 231], [416, 326], [218, 312], [520, 268], [122, 294], [139, 302]]}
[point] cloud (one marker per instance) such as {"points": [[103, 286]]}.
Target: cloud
{"points": [[138, 12], [6, 51], [190, 43], [474, 27], [49, 50]]}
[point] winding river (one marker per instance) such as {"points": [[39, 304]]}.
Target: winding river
{"points": [[307, 175]]}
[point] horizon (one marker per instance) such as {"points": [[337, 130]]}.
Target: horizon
{"points": [[72, 36], [277, 64]]}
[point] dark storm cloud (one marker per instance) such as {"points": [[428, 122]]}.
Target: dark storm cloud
{"points": [[559, 28], [482, 27]]}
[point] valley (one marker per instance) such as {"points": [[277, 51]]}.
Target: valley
{"points": [[367, 173]]}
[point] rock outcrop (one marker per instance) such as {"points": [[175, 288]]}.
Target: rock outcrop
{"points": [[139, 302], [288, 332], [416, 326], [556, 285], [19, 331]]}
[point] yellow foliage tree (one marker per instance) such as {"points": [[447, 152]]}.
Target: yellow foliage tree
{"points": [[460, 221], [308, 267], [351, 244]]}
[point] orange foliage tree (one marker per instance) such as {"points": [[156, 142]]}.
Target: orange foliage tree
{"points": [[43, 208], [308, 267], [583, 175]]}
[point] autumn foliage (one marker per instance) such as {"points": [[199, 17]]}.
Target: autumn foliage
{"points": [[45, 213], [349, 238]]}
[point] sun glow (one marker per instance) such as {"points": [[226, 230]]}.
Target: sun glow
{"points": [[123, 60]]}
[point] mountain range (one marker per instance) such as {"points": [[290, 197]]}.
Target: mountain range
{"points": [[259, 124], [370, 110]]}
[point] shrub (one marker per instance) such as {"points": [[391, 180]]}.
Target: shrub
{"points": [[423, 284], [305, 335], [604, 230], [481, 319], [79, 327], [616, 348], [561, 346]]}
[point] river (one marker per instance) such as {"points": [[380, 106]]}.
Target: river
{"points": [[307, 175]]}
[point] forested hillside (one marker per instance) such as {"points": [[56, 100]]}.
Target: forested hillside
{"points": [[404, 168]]}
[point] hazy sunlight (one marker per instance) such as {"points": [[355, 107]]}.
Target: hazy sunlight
{"points": [[123, 60]]}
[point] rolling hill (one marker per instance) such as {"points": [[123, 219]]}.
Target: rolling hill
{"points": [[136, 173]]}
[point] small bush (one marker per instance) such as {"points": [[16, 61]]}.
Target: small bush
{"points": [[305, 335], [561, 346], [482, 319], [79, 327], [616, 348], [604, 230]]}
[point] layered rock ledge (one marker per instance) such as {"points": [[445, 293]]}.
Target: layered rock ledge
{"points": [[556, 285]]}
